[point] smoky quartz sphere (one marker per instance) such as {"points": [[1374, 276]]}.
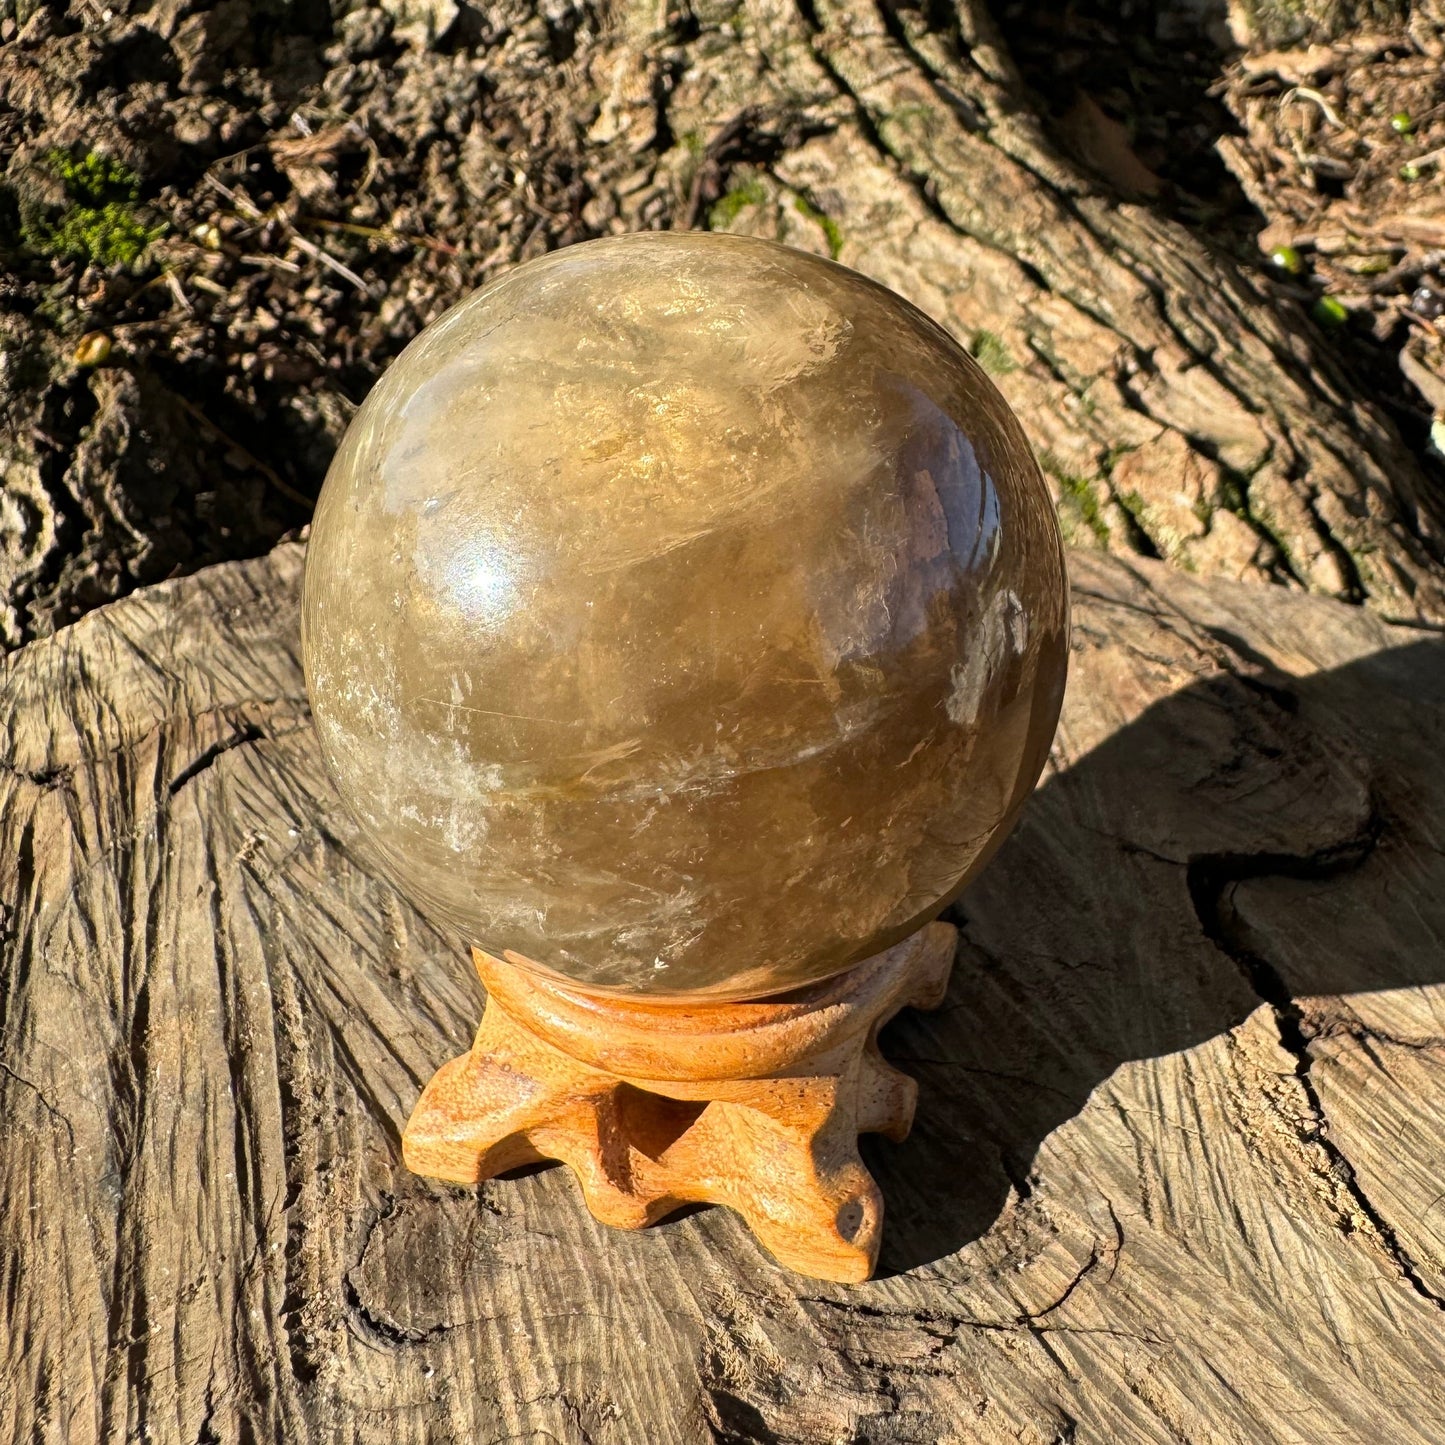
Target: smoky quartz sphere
{"points": [[685, 616]]}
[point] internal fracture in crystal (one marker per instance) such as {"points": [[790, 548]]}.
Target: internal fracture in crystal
{"points": [[684, 615]]}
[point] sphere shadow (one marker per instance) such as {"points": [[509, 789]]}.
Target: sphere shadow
{"points": [[1153, 896]]}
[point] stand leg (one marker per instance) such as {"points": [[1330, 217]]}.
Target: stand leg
{"points": [[781, 1150]]}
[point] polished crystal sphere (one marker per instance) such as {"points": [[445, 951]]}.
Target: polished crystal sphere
{"points": [[684, 616]]}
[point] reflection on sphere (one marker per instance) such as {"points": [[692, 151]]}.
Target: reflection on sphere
{"points": [[686, 615]]}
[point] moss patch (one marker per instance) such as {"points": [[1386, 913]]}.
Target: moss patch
{"points": [[726, 209], [831, 231], [1133, 503], [101, 223], [990, 352], [1078, 503]]}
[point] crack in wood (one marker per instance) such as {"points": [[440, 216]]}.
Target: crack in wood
{"points": [[40, 1094], [247, 733], [1210, 877]]}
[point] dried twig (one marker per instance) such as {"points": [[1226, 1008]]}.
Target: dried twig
{"points": [[1305, 92], [177, 290], [281, 485], [252, 258], [381, 233], [252, 212], [1430, 158]]}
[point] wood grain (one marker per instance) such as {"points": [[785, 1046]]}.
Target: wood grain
{"points": [[1175, 1168]]}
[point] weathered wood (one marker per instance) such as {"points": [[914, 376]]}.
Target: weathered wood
{"points": [[1175, 1169]]}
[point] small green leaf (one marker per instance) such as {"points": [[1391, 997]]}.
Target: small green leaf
{"points": [[92, 350], [1287, 259]]}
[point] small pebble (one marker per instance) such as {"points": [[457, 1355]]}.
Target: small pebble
{"points": [[93, 349], [1428, 301]]}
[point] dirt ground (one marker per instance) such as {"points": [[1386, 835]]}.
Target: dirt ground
{"points": [[220, 222]]}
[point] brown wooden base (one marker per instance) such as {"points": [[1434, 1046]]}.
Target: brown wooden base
{"points": [[754, 1105]]}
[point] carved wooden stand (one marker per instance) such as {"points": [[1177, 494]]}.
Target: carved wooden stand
{"points": [[754, 1105]]}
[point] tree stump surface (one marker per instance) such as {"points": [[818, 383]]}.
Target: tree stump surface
{"points": [[1175, 1173]]}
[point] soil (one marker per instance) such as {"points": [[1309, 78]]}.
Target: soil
{"points": [[220, 222]]}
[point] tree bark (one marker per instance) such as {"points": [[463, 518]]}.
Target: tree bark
{"points": [[1182, 407], [1176, 407]]}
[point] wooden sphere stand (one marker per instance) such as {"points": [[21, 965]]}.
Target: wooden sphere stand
{"points": [[754, 1105]]}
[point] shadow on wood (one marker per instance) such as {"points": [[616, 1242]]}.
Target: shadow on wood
{"points": [[1235, 845]]}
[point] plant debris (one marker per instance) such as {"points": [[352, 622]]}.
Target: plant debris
{"points": [[1346, 172], [220, 222]]}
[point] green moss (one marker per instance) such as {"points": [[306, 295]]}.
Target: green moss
{"points": [[727, 208], [832, 233], [1267, 525], [112, 234], [101, 223], [94, 179], [1078, 502], [991, 354], [1133, 503], [1112, 456]]}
